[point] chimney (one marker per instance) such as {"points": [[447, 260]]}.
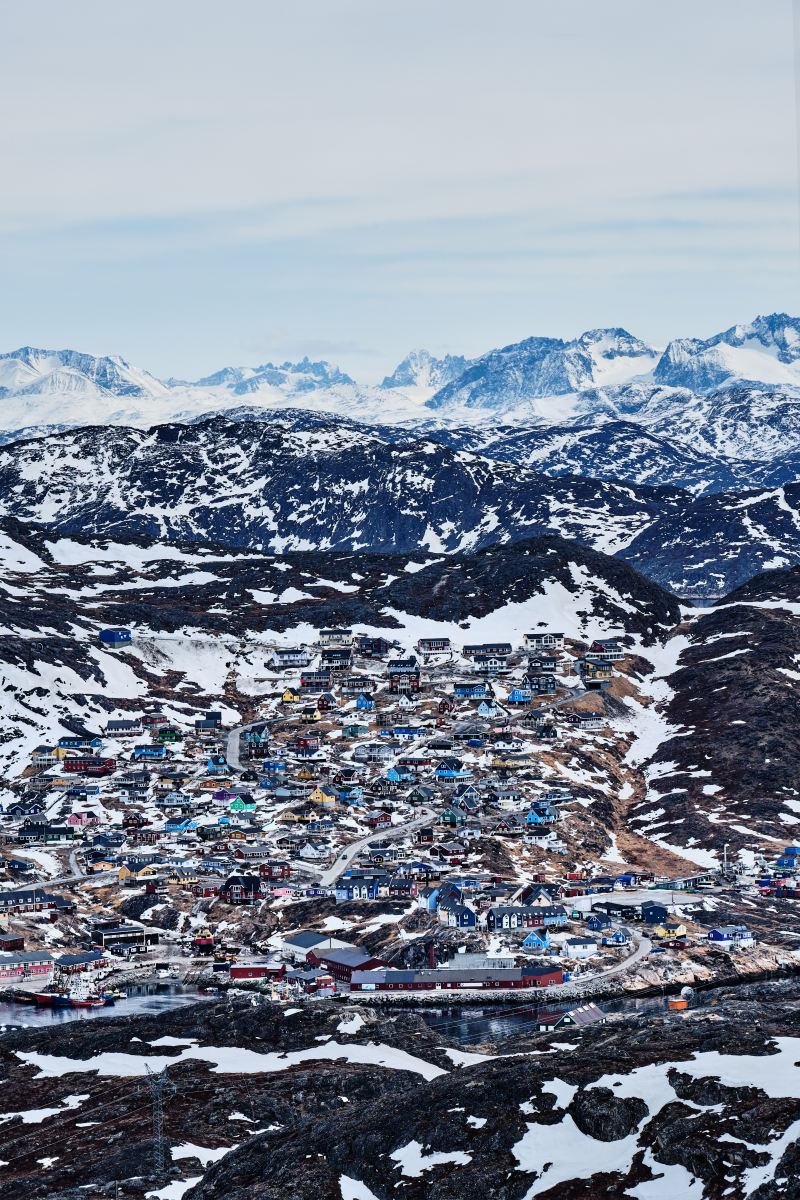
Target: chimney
{"points": [[431, 956]]}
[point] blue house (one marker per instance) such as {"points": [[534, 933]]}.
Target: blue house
{"points": [[24, 808], [398, 774], [598, 922], [115, 637], [452, 770], [519, 695], [72, 742], [217, 765], [365, 703], [149, 752], [536, 940], [470, 691], [179, 826], [458, 915], [620, 937], [488, 709], [789, 859], [274, 766]]}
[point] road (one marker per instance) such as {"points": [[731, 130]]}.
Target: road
{"points": [[329, 877]]}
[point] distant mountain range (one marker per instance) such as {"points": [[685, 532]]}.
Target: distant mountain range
{"points": [[604, 373], [683, 461]]}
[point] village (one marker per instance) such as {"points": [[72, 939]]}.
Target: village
{"points": [[396, 819]]}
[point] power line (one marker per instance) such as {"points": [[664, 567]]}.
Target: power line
{"points": [[158, 1084]]}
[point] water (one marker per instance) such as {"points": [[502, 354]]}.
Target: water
{"points": [[140, 1001], [471, 1024]]}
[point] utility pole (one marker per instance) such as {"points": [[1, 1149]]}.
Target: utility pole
{"points": [[158, 1083]]}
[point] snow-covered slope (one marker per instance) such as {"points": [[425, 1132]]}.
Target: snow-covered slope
{"points": [[420, 375], [204, 615], [767, 350], [334, 486], [531, 372], [42, 388]]}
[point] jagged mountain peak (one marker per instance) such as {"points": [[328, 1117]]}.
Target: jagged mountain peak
{"points": [[541, 367], [765, 350], [421, 369]]}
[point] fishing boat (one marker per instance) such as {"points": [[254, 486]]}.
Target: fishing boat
{"points": [[56, 997], [80, 996]]}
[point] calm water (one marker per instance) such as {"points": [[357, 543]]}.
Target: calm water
{"points": [[474, 1024], [151, 1003]]}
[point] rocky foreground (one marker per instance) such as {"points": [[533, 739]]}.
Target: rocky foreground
{"points": [[264, 1102]]}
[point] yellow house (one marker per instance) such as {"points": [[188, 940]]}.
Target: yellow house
{"points": [[671, 928], [145, 872], [104, 864], [290, 696], [311, 713], [306, 773], [592, 669], [183, 875], [320, 797], [510, 762]]}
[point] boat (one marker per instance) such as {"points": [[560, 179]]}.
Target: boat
{"points": [[80, 996], [55, 996]]}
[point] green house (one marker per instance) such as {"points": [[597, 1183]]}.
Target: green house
{"points": [[355, 731], [239, 805], [169, 735]]}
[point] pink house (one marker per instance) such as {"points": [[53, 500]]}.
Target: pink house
{"points": [[82, 818], [32, 963]]}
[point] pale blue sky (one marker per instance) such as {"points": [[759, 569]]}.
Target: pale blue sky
{"points": [[193, 185]]}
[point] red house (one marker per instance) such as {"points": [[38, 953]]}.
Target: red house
{"points": [[276, 869], [89, 765], [376, 820], [342, 963], [268, 970]]}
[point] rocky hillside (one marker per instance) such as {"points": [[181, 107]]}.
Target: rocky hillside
{"points": [[320, 484], [730, 742], [331, 487], [203, 615], [351, 1104]]}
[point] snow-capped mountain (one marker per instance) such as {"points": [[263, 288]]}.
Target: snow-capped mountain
{"points": [[43, 388], [710, 415], [420, 375], [539, 368], [31, 371], [765, 351]]}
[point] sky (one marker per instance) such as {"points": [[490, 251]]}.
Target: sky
{"points": [[194, 185]]}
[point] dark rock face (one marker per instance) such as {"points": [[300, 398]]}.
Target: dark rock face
{"points": [[735, 711], [607, 1117], [336, 486], [259, 485], [296, 1132], [719, 542]]}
